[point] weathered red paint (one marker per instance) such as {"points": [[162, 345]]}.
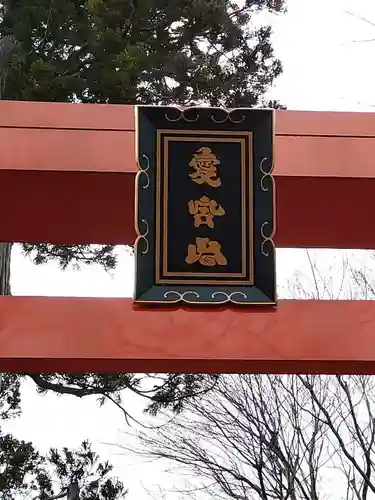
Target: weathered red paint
{"points": [[69, 157], [63, 334]]}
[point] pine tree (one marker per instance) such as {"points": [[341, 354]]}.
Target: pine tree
{"points": [[140, 51], [182, 52], [66, 474], [25, 473], [131, 52]]}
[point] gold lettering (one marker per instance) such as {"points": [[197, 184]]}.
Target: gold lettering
{"points": [[204, 210], [206, 252], [204, 163]]}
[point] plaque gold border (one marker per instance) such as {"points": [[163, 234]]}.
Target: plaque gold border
{"points": [[229, 300], [239, 137]]}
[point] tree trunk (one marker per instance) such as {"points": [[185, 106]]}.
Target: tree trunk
{"points": [[7, 45], [5, 253]]}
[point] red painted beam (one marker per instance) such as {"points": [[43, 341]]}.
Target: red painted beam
{"points": [[67, 172], [101, 335]]}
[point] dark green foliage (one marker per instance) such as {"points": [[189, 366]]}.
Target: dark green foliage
{"points": [[129, 52], [132, 52], [10, 395], [75, 255], [136, 52], [25, 472], [140, 51], [178, 389], [20, 465], [159, 390]]}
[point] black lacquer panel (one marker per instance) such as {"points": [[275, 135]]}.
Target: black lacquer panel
{"points": [[205, 206]]}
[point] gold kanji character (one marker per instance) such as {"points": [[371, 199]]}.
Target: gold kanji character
{"points": [[207, 252], [204, 210], [204, 162]]}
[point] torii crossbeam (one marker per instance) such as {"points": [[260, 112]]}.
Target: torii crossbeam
{"points": [[78, 160]]}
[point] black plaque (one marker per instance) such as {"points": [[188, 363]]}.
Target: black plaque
{"points": [[205, 206]]}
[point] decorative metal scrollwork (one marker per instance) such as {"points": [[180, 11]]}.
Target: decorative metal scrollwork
{"points": [[183, 114], [143, 237], [265, 239], [229, 297], [221, 115], [181, 296], [144, 171], [266, 174]]}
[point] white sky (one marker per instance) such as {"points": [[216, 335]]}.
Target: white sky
{"points": [[324, 69]]}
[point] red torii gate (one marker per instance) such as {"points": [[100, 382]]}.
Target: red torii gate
{"points": [[67, 176]]}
